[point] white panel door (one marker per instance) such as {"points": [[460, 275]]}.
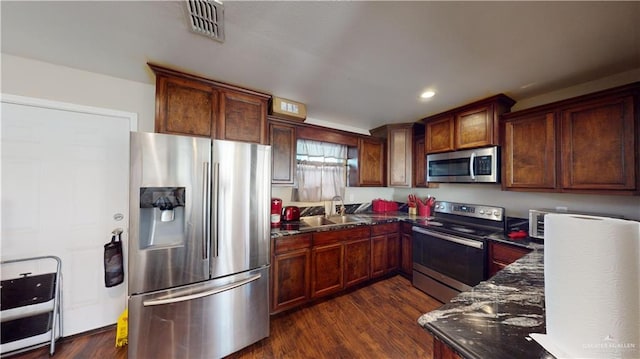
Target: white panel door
{"points": [[65, 179]]}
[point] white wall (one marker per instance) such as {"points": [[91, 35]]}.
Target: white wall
{"points": [[581, 89], [26, 77], [517, 204]]}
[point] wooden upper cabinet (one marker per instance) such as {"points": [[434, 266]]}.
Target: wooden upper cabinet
{"points": [[371, 162], [529, 152], [192, 105], [185, 107], [399, 139], [282, 138], [586, 144], [244, 117], [439, 134], [598, 143], [470, 126], [474, 128], [419, 159]]}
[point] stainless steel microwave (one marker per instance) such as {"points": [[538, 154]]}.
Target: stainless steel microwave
{"points": [[471, 166]]}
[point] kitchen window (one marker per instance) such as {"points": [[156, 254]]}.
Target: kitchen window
{"points": [[321, 170]]}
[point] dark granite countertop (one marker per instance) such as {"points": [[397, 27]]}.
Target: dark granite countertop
{"points": [[494, 319], [367, 219]]}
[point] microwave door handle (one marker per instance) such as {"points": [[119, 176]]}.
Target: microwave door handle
{"points": [[472, 159]]}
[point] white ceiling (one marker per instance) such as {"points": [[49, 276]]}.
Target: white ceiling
{"points": [[356, 64]]}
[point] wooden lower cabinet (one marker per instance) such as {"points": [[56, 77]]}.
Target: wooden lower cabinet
{"points": [[313, 265], [501, 255], [443, 351], [378, 255], [385, 249], [291, 272], [406, 252], [356, 261], [328, 268], [339, 259]]}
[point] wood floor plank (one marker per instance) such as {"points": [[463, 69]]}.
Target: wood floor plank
{"points": [[376, 321]]}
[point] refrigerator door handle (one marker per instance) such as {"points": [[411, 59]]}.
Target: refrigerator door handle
{"points": [[214, 207], [220, 289], [206, 220]]}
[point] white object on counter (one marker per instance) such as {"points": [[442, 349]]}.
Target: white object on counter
{"points": [[592, 287]]}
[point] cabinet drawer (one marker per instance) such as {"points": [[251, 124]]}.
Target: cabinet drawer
{"points": [[507, 254], [290, 243], [328, 237], [379, 229]]}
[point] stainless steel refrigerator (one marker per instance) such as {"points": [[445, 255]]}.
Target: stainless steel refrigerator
{"points": [[199, 244]]}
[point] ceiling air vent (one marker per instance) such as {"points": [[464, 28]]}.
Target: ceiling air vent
{"points": [[207, 17]]}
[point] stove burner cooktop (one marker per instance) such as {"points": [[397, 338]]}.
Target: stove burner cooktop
{"points": [[463, 229]]}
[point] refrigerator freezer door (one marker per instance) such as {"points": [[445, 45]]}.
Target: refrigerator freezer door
{"points": [[205, 320], [241, 213], [169, 211]]}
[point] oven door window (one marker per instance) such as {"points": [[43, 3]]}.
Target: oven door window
{"points": [[449, 167], [460, 262]]}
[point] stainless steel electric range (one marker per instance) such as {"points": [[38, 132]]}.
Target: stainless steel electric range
{"points": [[450, 249]]}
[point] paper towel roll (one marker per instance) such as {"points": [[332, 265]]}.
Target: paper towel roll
{"points": [[592, 285]]}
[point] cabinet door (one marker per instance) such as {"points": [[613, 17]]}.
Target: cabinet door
{"points": [[598, 145], [529, 155], [356, 261], [474, 128], [439, 135], [393, 252], [185, 107], [327, 269], [243, 117], [419, 163], [378, 255], [399, 157], [501, 255], [291, 274], [283, 153], [406, 262], [371, 162]]}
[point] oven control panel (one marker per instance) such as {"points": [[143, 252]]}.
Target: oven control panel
{"points": [[470, 210]]}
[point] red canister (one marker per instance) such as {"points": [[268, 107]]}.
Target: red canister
{"points": [[276, 210]]}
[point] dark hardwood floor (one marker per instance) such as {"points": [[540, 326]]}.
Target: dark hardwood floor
{"points": [[376, 321]]}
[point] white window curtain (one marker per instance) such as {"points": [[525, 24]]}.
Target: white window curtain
{"points": [[321, 170]]}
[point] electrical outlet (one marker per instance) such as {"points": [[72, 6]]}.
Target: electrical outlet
{"points": [[562, 209]]}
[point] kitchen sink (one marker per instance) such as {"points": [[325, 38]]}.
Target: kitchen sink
{"points": [[318, 221], [345, 219]]}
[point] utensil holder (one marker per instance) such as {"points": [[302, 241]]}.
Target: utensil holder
{"points": [[424, 211]]}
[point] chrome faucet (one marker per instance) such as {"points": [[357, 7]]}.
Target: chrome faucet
{"points": [[333, 206]]}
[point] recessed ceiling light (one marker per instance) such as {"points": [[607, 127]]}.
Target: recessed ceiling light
{"points": [[427, 94]]}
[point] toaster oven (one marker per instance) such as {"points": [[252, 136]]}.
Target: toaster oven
{"points": [[536, 219]]}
